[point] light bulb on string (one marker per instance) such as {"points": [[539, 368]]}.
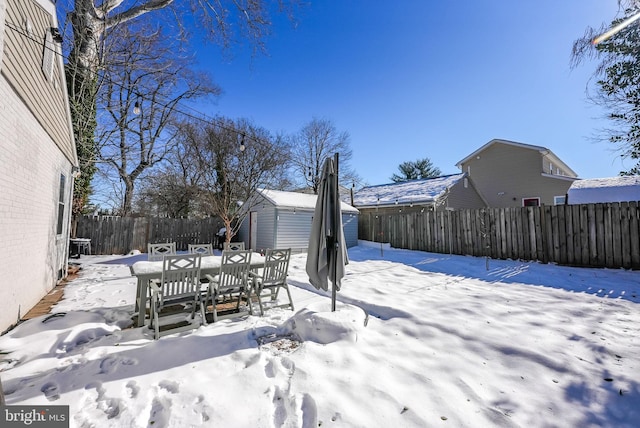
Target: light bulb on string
{"points": [[137, 107]]}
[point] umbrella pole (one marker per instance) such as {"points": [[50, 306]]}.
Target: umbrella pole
{"points": [[334, 241]]}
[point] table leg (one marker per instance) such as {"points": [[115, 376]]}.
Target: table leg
{"points": [[141, 300]]}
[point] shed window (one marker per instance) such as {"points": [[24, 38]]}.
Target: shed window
{"points": [[559, 200], [531, 202], [60, 227]]}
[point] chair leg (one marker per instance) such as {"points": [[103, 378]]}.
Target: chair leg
{"points": [[214, 299], [290, 299], [202, 312], [258, 292]]}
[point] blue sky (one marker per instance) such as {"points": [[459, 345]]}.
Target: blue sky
{"points": [[416, 78]]}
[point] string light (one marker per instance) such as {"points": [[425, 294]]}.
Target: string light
{"points": [[137, 107]]}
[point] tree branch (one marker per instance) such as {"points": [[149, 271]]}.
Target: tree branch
{"points": [[136, 11]]}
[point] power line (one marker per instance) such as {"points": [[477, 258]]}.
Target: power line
{"points": [[202, 116]]}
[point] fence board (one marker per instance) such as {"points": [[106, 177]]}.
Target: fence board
{"points": [[599, 235], [634, 233], [119, 235]]}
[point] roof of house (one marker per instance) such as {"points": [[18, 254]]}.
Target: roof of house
{"points": [[426, 190], [610, 189], [543, 151], [282, 199]]}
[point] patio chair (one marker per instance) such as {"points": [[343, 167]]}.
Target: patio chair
{"points": [[175, 294], [233, 246], [202, 249], [272, 278], [232, 280], [155, 252]]}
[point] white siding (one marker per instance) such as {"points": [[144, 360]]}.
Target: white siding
{"points": [[293, 229], [31, 165], [266, 228], [279, 227], [350, 226]]}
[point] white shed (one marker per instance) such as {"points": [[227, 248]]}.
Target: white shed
{"points": [[602, 190], [280, 219]]}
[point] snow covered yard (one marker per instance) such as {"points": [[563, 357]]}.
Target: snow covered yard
{"points": [[418, 340]]}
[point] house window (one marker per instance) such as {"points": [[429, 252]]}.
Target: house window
{"points": [[48, 56], [559, 200], [466, 183], [531, 202], [60, 227]]}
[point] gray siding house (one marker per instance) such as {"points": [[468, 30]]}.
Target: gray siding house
{"points": [[280, 219], [511, 174], [449, 191], [37, 157]]}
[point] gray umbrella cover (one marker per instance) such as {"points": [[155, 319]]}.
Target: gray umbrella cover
{"points": [[325, 261]]}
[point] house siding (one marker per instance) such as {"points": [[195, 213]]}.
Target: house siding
{"points": [[29, 212], [464, 197], [505, 174], [22, 67], [36, 149]]}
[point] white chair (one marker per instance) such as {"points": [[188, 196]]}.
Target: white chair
{"points": [[202, 249], [233, 246], [172, 295], [232, 280], [272, 277], [155, 252]]}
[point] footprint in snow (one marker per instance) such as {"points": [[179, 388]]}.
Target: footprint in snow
{"points": [[170, 385], [133, 389], [50, 390]]}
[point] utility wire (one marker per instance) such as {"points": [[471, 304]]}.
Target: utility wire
{"points": [[202, 117]]}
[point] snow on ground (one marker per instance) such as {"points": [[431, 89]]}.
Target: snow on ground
{"points": [[418, 340]]}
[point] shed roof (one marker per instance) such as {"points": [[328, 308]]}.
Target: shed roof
{"points": [[282, 199], [609, 189], [426, 190]]}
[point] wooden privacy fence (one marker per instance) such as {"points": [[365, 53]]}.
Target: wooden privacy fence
{"points": [[595, 235], [119, 235]]}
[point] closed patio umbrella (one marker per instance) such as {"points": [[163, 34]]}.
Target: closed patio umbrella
{"points": [[327, 251]]}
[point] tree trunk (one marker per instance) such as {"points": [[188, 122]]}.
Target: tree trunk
{"points": [[128, 197], [81, 73], [88, 29]]}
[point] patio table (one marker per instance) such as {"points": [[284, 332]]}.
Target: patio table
{"points": [[146, 271]]}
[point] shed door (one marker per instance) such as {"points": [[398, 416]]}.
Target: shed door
{"points": [[253, 230]]}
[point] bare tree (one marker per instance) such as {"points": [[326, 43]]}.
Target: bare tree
{"points": [[142, 85], [235, 159], [172, 190], [316, 141], [223, 22]]}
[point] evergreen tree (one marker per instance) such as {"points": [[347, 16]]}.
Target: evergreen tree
{"points": [[413, 170], [618, 82]]}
